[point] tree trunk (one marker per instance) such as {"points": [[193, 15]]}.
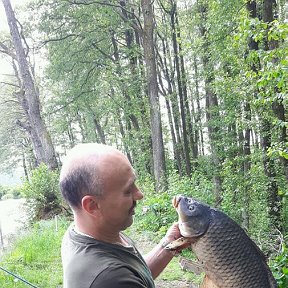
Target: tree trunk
{"points": [[278, 108], [212, 107], [155, 114], [183, 78], [246, 138], [274, 200], [40, 138], [170, 121], [198, 114], [181, 91], [172, 117]]}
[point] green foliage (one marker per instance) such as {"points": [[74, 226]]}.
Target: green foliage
{"points": [[42, 193], [156, 213], [8, 192], [4, 190], [279, 266], [35, 256]]}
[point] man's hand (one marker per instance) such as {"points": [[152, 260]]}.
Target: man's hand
{"points": [[172, 234]]}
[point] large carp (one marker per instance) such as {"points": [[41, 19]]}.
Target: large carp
{"points": [[229, 257]]}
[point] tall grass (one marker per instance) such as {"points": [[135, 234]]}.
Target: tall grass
{"points": [[35, 257]]}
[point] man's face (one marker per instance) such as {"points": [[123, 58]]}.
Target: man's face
{"points": [[120, 192]]}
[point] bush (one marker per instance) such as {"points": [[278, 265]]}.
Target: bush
{"points": [[42, 193], [3, 191], [155, 212], [7, 192], [279, 266]]}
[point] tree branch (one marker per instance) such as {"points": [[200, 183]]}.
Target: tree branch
{"points": [[57, 39], [5, 49], [23, 37], [10, 84], [69, 102], [23, 125], [133, 23]]}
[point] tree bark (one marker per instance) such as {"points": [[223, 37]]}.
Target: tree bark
{"points": [[155, 114], [40, 138]]}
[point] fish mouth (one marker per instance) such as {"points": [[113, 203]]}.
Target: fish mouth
{"points": [[176, 201]]}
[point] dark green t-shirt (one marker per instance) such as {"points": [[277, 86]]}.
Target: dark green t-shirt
{"points": [[89, 263]]}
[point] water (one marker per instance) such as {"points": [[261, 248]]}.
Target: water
{"points": [[12, 219]]}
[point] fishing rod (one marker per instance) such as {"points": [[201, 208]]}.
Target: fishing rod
{"points": [[18, 277]]}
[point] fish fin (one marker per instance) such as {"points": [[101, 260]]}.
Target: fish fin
{"points": [[179, 244], [190, 265]]}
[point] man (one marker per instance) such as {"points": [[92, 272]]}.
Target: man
{"points": [[98, 182]]}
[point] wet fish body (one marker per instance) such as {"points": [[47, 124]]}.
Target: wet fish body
{"points": [[229, 257]]}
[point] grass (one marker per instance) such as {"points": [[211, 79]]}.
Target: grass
{"points": [[35, 257]]}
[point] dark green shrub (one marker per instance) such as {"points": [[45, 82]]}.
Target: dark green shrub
{"points": [[42, 193]]}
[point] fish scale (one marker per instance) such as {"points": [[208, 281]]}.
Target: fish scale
{"points": [[230, 258]]}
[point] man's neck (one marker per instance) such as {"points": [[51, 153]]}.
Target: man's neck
{"points": [[113, 238]]}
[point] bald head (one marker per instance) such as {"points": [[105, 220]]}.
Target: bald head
{"points": [[82, 171]]}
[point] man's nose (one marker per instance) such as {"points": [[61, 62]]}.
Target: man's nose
{"points": [[138, 195]]}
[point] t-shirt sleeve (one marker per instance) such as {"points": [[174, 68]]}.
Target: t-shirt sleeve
{"points": [[118, 277]]}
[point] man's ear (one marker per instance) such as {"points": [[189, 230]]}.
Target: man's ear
{"points": [[90, 204]]}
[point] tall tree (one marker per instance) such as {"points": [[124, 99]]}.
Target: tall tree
{"points": [[274, 199], [29, 97], [182, 87], [152, 85], [211, 99]]}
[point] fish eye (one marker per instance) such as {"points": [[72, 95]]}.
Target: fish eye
{"points": [[191, 208], [189, 201]]}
